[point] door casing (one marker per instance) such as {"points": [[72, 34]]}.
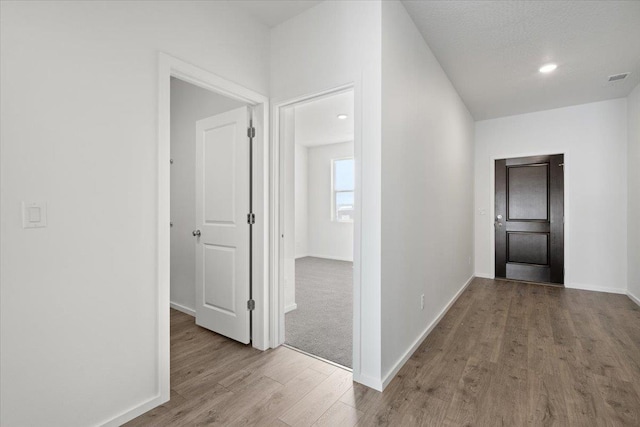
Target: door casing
{"points": [[169, 66], [277, 224]]}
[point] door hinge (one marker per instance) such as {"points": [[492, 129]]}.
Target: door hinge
{"points": [[251, 218], [251, 132], [251, 305]]}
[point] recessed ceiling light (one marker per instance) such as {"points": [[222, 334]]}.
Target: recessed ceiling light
{"points": [[342, 116], [547, 68]]}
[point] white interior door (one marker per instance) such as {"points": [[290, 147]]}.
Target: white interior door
{"points": [[223, 234]]}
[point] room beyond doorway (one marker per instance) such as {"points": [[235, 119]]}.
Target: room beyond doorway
{"points": [[325, 329], [318, 213]]}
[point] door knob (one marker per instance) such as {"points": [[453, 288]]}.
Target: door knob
{"points": [[196, 233]]}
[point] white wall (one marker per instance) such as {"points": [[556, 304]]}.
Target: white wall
{"points": [[189, 104], [330, 45], [593, 138], [327, 238], [301, 201], [427, 189], [79, 108], [633, 159]]}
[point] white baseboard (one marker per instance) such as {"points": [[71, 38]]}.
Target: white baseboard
{"points": [[595, 288], [484, 275], [182, 308], [369, 381], [135, 412], [335, 258], [633, 298], [290, 307], [400, 363], [301, 256]]}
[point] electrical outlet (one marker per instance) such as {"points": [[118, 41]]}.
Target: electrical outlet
{"points": [[422, 302]]}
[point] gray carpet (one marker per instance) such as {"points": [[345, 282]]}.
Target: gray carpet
{"points": [[323, 322]]}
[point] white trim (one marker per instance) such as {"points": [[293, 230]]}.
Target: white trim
{"points": [[334, 258], [301, 256], [134, 412], [182, 308], [290, 307], [633, 298], [400, 363], [277, 279], [484, 275], [168, 67], [595, 288], [371, 382]]}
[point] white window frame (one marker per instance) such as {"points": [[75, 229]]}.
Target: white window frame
{"points": [[334, 191]]}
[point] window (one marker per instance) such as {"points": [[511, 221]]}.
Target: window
{"points": [[343, 190]]}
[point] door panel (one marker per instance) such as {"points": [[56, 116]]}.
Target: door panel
{"points": [[219, 279], [528, 187], [219, 174], [528, 248], [222, 205], [529, 218]]}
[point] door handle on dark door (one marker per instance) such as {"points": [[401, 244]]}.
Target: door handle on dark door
{"points": [[498, 223], [196, 233]]}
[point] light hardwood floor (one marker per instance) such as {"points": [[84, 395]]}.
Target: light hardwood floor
{"points": [[506, 354]]}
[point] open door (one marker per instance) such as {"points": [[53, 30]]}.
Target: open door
{"points": [[223, 234]]}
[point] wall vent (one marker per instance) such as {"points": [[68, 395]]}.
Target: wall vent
{"points": [[617, 77]]}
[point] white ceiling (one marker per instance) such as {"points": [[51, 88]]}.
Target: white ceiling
{"points": [[274, 12], [491, 51], [317, 123]]}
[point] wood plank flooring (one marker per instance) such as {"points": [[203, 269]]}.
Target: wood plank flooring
{"points": [[506, 354]]}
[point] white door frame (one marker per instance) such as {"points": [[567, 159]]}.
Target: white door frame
{"points": [[168, 67], [277, 224]]}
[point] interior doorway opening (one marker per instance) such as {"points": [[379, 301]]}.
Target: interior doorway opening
{"points": [[210, 197], [318, 203]]}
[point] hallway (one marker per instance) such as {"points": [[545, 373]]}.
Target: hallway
{"points": [[506, 353]]}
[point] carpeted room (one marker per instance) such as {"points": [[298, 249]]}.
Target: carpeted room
{"points": [[319, 206]]}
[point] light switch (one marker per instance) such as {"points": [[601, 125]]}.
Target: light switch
{"points": [[34, 214]]}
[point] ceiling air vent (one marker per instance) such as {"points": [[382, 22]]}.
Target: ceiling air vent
{"points": [[617, 77]]}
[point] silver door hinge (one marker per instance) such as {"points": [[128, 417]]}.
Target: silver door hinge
{"points": [[251, 218], [251, 132], [251, 305]]}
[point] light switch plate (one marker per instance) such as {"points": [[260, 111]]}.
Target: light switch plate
{"points": [[34, 214]]}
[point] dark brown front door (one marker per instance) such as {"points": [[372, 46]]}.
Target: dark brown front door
{"points": [[529, 218]]}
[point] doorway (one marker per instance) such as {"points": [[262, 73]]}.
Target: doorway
{"points": [[258, 268], [210, 198], [529, 219], [317, 219]]}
